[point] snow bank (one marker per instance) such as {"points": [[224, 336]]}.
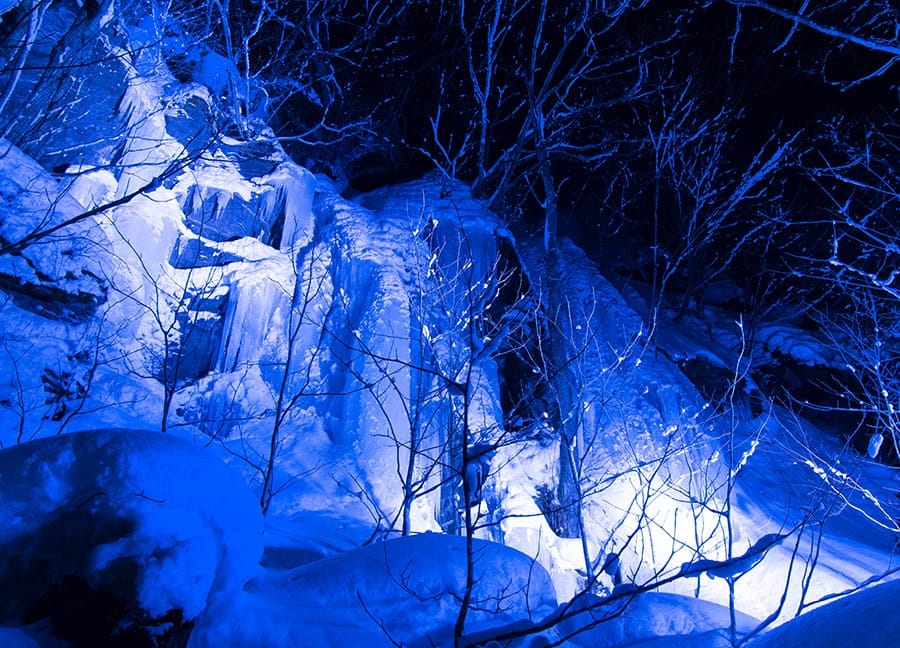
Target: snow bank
{"points": [[147, 516], [405, 590]]}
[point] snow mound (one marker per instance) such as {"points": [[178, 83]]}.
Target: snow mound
{"points": [[672, 619], [866, 618], [148, 521], [406, 591]]}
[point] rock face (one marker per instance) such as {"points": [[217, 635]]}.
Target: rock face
{"points": [[222, 204], [213, 289], [56, 275], [65, 105], [119, 531]]}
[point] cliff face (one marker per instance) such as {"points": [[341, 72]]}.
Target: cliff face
{"points": [[171, 274]]}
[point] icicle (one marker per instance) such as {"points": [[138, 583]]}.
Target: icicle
{"points": [[875, 442], [256, 304], [294, 188]]}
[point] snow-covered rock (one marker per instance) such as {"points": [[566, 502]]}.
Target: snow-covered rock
{"points": [[156, 525]]}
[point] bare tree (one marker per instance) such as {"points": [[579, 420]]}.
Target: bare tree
{"points": [[707, 212], [849, 267], [296, 371], [463, 345], [418, 437], [170, 299], [867, 26]]}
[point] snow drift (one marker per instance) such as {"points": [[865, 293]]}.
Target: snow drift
{"points": [[404, 591]]}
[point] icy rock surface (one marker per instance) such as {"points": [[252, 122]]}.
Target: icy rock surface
{"points": [[221, 203], [56, 276], [632, 409], [257, 313], [141, 514]]}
